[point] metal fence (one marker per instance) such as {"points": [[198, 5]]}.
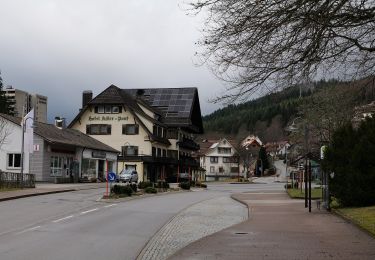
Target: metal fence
{"points": [[15, 180]]}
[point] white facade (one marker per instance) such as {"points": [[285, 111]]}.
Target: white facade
{"points": [[220, 161], [60, 160], [10, 148]]}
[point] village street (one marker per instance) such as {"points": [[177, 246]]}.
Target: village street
{"points": [[74, 225]]}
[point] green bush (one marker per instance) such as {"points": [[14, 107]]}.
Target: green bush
{"points": [[122, 190], [334, 203], [162, 185], [351, 157], [185, 185], [144, 184], [133, 186], [150, 190]]}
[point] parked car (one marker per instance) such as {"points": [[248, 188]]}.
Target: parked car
{"points": [[128, 175]]}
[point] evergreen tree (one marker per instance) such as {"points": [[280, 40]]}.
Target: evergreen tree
{"points": [[263, 157], [351, 156], [4, 105]]}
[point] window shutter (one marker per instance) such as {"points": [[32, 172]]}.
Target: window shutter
{"points": [[120, 109], [88, 128], [109, 129], [96, 109], [136, 129]]}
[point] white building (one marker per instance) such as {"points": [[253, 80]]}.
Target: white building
{"points": [[220, 161], [58, 154]]}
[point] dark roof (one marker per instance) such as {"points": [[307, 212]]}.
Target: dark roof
{"points": [[180, 106], [65, 136], [177, 107]]}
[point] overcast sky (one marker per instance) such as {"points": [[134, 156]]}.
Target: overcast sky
{"points": [[58, 48]]}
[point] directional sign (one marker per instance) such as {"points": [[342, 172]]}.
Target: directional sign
{"points": [[111, 176]]}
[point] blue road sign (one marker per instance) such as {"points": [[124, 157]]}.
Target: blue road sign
{"points": [[111, 176]]}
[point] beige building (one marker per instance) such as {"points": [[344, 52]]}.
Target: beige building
{"points": [[153, 128], [21, 102]]}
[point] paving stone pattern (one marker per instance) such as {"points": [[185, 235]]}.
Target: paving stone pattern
{"points": [[192, 224]]}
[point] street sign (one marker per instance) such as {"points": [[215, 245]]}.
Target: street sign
{"points": [[111, 176]]}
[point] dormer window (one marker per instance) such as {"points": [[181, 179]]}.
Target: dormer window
{"points": [[115, 110], [108, 109]]}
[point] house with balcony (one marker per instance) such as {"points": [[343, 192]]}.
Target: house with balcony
{"points": [[220, 160], [153, 128]]}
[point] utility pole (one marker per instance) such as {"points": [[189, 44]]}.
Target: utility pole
{"points": [[309, 186]]}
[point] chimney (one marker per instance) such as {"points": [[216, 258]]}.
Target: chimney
{"points": [[60, 122], [86, 97]]}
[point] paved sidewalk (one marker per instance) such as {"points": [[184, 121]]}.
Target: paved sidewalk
{"points": [[193, 223], [281, 228], [48, 188]]}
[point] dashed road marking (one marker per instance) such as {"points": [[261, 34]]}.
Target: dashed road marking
{"points": [[88, 211], [111, 205], [61, 219], [29, 229]]}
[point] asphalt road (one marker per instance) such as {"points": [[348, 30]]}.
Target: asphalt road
{"points": [[74, 225]]}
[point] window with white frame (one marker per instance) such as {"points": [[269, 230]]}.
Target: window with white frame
{"points": [[130, 129], [14, 160], [224, 150], [212, 169], [129, 150], [214, 159], [56, 166]]}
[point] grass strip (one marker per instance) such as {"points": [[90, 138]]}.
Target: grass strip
{"points": [[316, 193], [363, 217]]}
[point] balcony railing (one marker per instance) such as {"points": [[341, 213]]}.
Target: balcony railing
{"points": [[188, 144]]}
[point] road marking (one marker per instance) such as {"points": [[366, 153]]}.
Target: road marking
{"points": [[61, 219], [88, 211], [29, 229], [111, 205]]}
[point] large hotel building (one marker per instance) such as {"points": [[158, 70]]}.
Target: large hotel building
{"points": [[153, 128]]}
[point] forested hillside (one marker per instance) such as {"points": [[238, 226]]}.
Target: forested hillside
{"points": [[272, 112]]}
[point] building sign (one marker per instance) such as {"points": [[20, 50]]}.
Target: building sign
{"points": [[109, 118], [98, 154]]}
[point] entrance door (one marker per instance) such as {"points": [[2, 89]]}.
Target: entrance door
{"points": [[101, 170]]}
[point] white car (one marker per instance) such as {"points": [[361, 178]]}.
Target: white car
{"points": [[128, 175]]}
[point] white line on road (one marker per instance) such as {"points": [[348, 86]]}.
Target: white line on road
{"points": [[61, 219], [29, 229], [88, 211], [111, 205]]}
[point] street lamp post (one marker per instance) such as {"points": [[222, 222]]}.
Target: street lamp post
{"points": [[307, 175]]}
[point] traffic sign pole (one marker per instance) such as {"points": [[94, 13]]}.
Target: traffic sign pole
{"points": [[107, 179]]}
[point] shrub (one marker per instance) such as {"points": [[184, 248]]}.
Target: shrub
{"points": [[162, 185], [133, 186], [122, 190], [185, 185], [351, 157], [202, 185], [150, 190], [144, 184]]}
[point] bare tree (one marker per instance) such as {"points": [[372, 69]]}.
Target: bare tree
{"points": [[5, 131], [259, 45]]}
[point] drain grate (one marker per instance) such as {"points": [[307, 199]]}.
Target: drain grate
{"points": [[241, 233]]}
